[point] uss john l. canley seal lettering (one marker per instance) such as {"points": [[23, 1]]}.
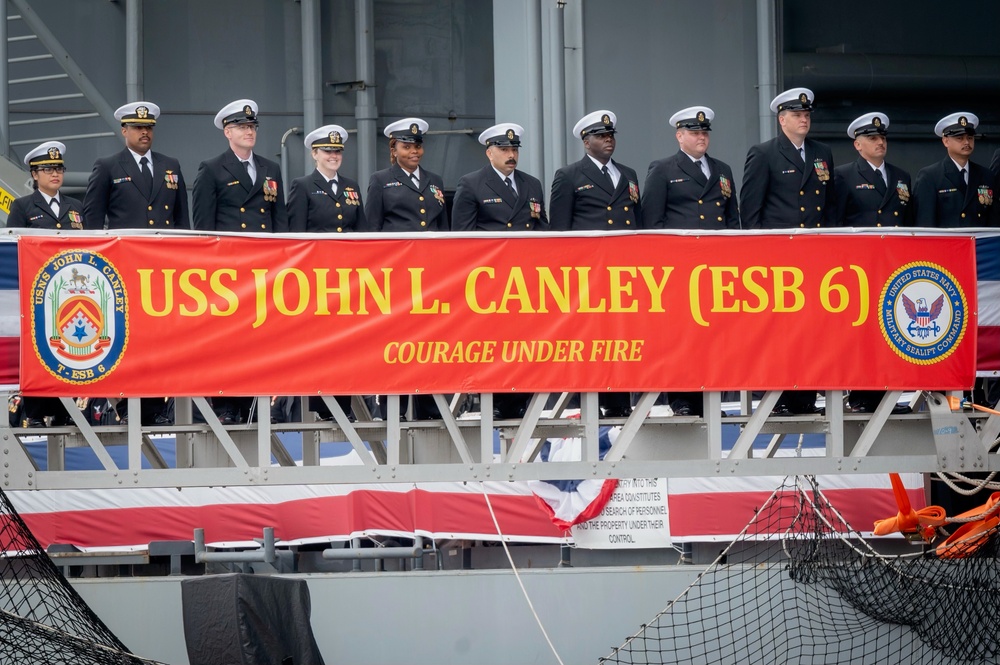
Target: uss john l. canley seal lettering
{"points": [[924, 313], [79, 314]]}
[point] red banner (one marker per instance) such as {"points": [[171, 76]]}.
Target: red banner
{"points": [[185, 315]]}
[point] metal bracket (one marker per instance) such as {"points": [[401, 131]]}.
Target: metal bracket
{"points": [[958, 445]]}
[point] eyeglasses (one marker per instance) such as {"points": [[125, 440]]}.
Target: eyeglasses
{"points": [[49, 170], [244, 126]]}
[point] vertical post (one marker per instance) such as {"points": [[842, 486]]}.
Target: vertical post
{"points": [[133, 51], [573, 75], [312, 75], [517, 65], [555, 98], [365, 112], [767, 66]]}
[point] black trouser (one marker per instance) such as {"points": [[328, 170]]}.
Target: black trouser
{"points": [[798, 401], [695, 401], [238, 407], [317, 404], [39, 408]]}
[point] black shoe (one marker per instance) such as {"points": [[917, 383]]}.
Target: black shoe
{"points": [[682, 411], [163, 420], [32, 423], [900, 409], [781, 410], [227, 417], [617, 411]]}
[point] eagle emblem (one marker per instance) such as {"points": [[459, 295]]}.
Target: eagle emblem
{"points": [[923, 319], [606, 119], [54, 153], [247, 111], [701, 116], [141, 112], [414, 129], [962, 120], [803, 98], [877, 121], [335, 137], [510, 134]]}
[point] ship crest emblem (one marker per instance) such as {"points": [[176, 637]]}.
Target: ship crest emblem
{"points": [[78, 317]]}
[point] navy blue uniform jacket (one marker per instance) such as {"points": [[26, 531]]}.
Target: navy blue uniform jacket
{"points": [[224, 199], [32, 212], [484, 202], [677, 195], [395, 204], [116, 192], [312, 205], [780, 192], [859, 203], [583, 200]]}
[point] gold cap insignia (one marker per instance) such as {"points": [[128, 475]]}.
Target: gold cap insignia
{"points": [[510, 134], [963, 121], [606, 119], [877, 121], [247, 111], [54, 153], [803, 98], [414, 129], [334, 137], [141, 112], [701, 116]]}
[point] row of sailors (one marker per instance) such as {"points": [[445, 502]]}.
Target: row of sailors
{"points": [[789, 182]]}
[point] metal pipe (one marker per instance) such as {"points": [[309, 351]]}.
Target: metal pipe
{"points": [[556, 99], [767, 67], [357, 553], [265, 555], [285, 180], [365, 111], [312, 76], [533, 26], [133, 51], [4, 119]]}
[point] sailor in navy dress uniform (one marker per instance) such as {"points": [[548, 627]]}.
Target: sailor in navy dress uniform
{"points": [[498, 197], [871, 191], [956, 192], [36, 210], [787, 184], [690, 190], [45, 208], [325, 201], [595, 193], [406, 197], [239, 190], [136, 188], [787, 181]]}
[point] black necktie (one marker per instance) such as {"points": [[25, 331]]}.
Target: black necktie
{"points": [[607, 174], [509, 183], [880, 181], [802, 154], [964, 173], [147, 175]]}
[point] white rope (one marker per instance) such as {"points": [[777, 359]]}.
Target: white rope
{"points": [[524, 591]]}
